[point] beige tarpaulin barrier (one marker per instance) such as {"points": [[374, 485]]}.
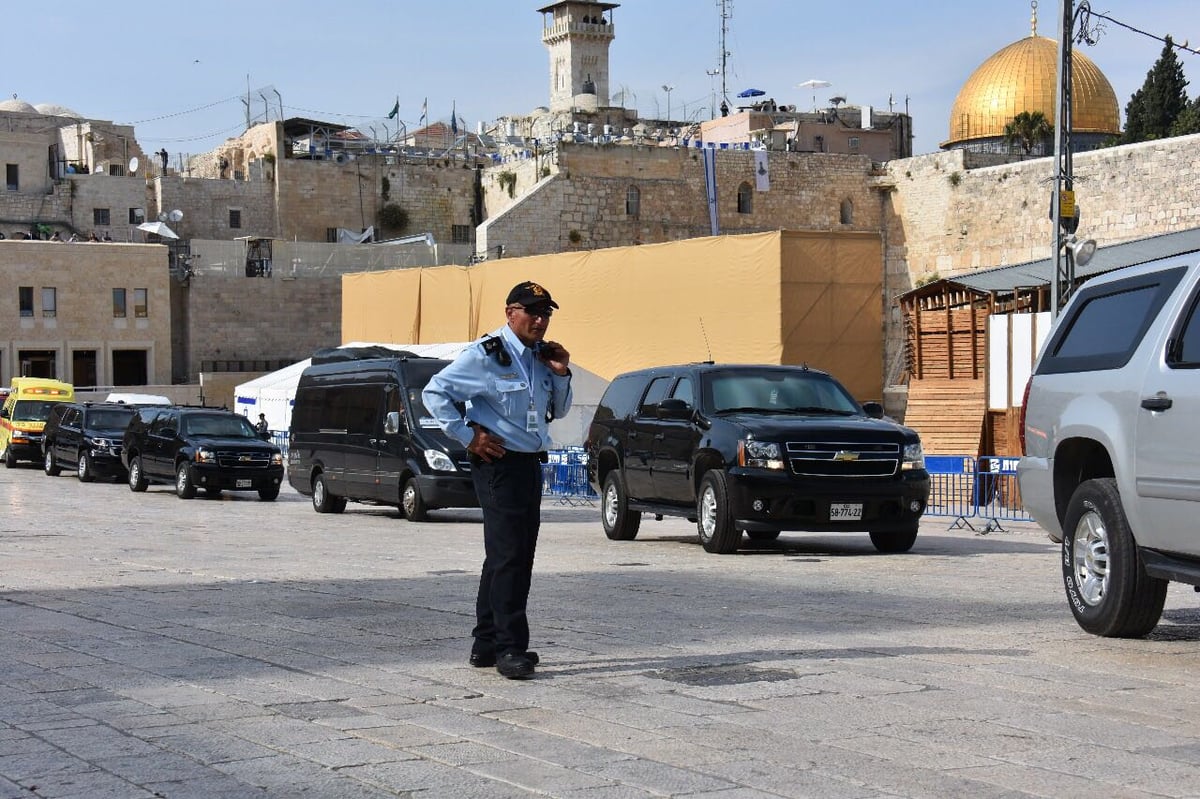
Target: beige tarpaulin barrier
{"points": [[779, 297]]}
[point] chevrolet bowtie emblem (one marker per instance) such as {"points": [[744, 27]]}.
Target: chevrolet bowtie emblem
{"points": [[845, 455]]}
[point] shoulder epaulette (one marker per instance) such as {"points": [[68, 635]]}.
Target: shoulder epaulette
{"points": [[494, 346]]}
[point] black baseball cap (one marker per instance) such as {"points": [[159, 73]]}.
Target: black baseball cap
{"points": [[529, 294]]}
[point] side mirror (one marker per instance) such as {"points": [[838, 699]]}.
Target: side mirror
{"points": [[674, 409], [873, 409], [3, 413], [391, 423]]}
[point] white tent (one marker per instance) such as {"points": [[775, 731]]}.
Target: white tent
{"points": [[274, 394]]}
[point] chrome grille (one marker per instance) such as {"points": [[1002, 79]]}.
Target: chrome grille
{"points": [[843, 459], [243, 460]]}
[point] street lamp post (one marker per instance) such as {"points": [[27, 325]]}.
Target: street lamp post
{"points": [[668, 88]]}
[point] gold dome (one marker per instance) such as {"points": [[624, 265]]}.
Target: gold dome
{"points": [[1024, 77]]}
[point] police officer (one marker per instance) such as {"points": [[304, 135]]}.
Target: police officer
{"points": [[498, 398]]}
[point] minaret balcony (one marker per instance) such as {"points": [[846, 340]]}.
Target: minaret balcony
{"points": [[563, 29]]}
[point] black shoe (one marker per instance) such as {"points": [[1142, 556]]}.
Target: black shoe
{"points": [[485, 660], [515, 666]]}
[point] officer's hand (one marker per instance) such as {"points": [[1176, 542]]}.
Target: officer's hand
{"points": [[486, 445], [555, 356]]}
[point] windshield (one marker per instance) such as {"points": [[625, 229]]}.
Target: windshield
{"points": [[777, 392], [218, 426], [32, 410], [106, 419]]}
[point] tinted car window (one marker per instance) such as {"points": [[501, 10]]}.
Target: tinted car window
{"points": [[109, 418], [621, 397], [683, 391], [1108, 323], [1186, 352], [217, 425], [778, 391], [654, 395]]}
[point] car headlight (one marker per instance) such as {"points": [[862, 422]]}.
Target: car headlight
{"points": [[439, 461], [205, 456], [20, 437], [276, 458], [914, 457], [760, 454]]}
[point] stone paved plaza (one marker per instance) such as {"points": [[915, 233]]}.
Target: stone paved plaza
{"points": [[151, 647]]}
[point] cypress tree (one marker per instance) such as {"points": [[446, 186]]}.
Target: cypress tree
{"points": [[1153, 109]]}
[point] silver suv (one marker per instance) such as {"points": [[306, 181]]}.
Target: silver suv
{"points": [[1112, 463]]}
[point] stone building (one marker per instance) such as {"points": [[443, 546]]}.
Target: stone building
{"points": [[89, 313]]}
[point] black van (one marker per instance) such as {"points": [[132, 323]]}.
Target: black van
{"points": [[360, 432]]}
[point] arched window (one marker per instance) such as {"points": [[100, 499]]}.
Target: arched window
{"points": [[847, 212], [745, 199], [633, 201]]}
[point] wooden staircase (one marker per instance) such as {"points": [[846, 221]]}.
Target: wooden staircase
{"points": [[948, 414]]}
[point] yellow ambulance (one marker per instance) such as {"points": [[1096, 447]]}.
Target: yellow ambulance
{"points": [[24, 414]]}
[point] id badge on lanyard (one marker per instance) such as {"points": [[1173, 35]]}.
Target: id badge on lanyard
{"points": [[531, 418]]}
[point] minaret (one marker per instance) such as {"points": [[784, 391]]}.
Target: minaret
{"points": [[577, 34]]}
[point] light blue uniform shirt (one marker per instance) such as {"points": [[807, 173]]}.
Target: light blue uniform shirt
{"points": [[498, 397]]}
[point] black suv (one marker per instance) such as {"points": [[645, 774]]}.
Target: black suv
{"points": [[86, 437], [207, 448], [759, 449]]}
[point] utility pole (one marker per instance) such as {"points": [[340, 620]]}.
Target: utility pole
{"points": [[1062, 202]]}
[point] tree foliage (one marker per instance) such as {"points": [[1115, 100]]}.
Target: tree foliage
{"points": [[393, 217], [1153, 109], [1029, 128]]}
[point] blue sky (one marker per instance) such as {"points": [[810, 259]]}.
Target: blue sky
{"points": [[180, 71]]}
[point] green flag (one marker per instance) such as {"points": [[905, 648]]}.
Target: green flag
{"points": [[395, 110]]}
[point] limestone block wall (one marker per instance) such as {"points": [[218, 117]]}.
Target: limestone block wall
{"points": [[83, 277], [246, 319], [586, 205], [206, 204], [116, 195], [314, 196], [526, 173]]}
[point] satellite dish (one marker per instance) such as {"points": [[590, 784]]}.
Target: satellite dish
{"points": [[175, 215], [133, 165], [162, 216]]}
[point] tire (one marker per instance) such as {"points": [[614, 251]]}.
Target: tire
{"points": [[322, 500], [1107, 587], [412, 505], [620, 523], [10, 460], [269, 493], [714, 522], [763, 535], [49, 465], [137, 478], [84, 470], [894, 541], [184, 487]]}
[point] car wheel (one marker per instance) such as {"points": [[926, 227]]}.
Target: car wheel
{"points": [[620, 523], [10, 460], [412, 505], [713, 519], [137, 478], [184, 487], [49, 466], [322, 500], [269, 493], [894, 541], [83, 469], [1107, 586]]}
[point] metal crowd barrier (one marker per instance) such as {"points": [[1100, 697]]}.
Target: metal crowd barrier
{"points": [[977, 493], [564, 477]]}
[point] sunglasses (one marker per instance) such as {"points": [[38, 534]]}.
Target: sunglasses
{"points": [[543, 312]]}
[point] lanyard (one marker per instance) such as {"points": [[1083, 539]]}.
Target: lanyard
{"points": [[525, 374]]}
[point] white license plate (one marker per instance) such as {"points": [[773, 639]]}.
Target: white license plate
{"points": [[248, 483], [845, 511]]}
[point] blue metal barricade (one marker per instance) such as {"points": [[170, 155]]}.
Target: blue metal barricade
{"points": [[564, 477], [974, 491]]}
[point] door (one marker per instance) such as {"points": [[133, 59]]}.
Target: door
{"points": [[158, 454], [674, 447], [1167, 464], [361, 410], [69, 437], [391, 448], [640, 443]]}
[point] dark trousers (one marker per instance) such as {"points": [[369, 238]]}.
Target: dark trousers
{"points": [[510, 494]]}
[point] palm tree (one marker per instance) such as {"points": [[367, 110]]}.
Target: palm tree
{"points": [[1028, 128]]}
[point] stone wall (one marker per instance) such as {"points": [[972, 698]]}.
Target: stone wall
{"points": [[585, 206], [253, 319], [206, 205]]}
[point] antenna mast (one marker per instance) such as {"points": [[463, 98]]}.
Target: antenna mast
{"points": [[726, 7]]}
